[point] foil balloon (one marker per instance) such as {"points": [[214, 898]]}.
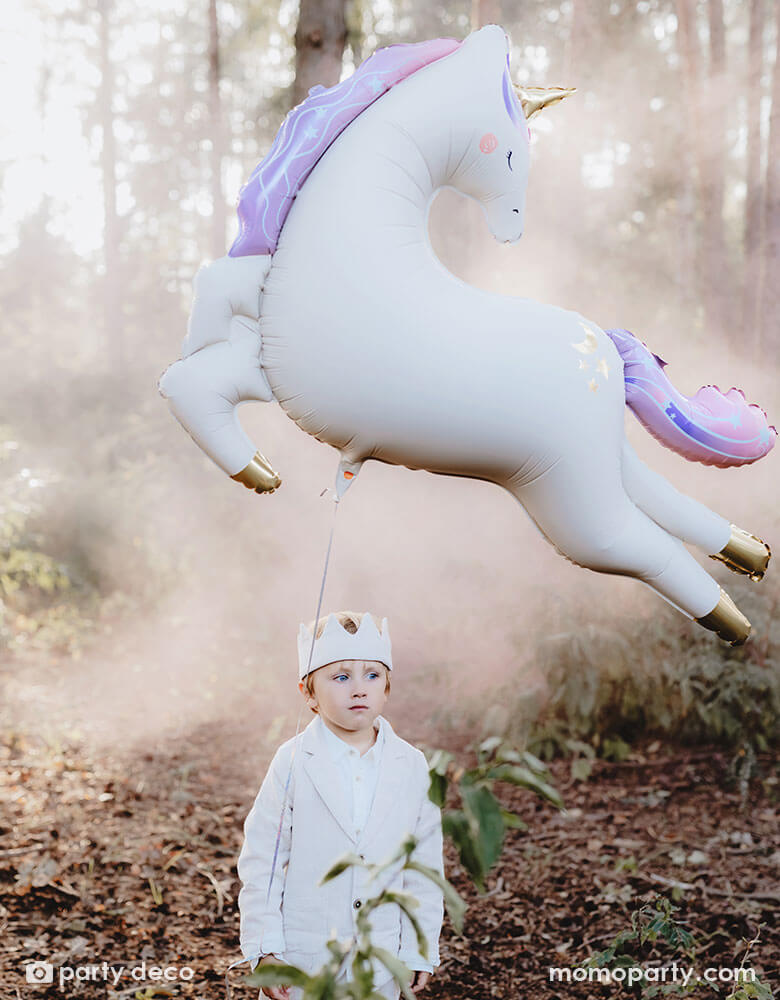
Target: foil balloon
{"points": [[332, 302]]}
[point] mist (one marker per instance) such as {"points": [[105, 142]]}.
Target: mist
{"points": [[187, 588]]}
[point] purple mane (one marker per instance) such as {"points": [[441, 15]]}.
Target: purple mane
{"points": [[309, 129]]}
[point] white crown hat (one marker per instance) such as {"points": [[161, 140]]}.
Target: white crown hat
{"points": [[335, 643]]}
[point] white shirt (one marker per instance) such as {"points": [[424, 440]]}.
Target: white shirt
{"points": [[359, 775], [359, 772]]}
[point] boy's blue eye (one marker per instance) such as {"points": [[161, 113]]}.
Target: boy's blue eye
{"points": [[373, 675], [342, 677]]}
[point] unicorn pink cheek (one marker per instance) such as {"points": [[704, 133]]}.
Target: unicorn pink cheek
{"points": [[488, 143]]}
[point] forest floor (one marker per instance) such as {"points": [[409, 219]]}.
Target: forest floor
{"points": [[129, 859]]}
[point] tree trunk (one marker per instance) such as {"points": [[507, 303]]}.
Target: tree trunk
{"points": [[218, 212], [320, 38], [770, 292], [754, 194], [112, 309], [690, 147], [719, 287], [485, 12]]}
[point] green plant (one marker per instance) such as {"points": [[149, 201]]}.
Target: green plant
{"points": [[479, 826], [677, 684], [650, 922], [745, 990], [360, 951], [654, 923]]}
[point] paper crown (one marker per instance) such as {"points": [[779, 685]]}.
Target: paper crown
{"points": [[335, 643]]}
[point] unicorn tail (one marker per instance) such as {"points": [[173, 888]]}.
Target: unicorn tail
{"points": [[710, 427]]}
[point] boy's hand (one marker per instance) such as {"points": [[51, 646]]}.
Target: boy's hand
{"points": [[274, 992], [420, 981]]}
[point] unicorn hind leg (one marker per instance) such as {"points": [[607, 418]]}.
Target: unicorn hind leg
{"points": [[691, 521], [592, 521]]}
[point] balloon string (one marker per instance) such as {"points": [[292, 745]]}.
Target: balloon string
{"points": [[297, 730], [298, 724]]}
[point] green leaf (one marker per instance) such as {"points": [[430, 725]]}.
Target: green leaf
{"points": [[455, 825], [456, 905], [517, 774], [437, 792], [439, 761], [613, 748], [483, 806], [321, 987], [489, 746], [397, 970], [581, 768], [512, 821], [536, 765], [348, 861], [407, 848], [362, 973], [277, 974], [407, 903]]}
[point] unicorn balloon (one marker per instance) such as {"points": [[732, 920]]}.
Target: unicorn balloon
{"points": [[333, 303]]}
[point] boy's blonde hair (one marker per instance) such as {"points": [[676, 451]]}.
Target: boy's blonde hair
{"points": [[350, 622]]}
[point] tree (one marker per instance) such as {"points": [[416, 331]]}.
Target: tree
{"points": [[753, 180], [112, 310], [217, 134], [319, 45], [769, 312]]}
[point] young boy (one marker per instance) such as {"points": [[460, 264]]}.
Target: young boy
{"points": [[354, 786]]}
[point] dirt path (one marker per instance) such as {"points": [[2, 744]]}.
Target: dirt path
{"points": [[130, 859]]}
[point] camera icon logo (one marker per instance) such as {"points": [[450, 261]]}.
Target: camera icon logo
{"points": [[39, 972]]}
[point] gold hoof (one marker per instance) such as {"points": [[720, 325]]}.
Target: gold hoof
{"points": [[258, 475], [727, 621], [744, 553]]}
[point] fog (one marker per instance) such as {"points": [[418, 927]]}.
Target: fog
{"points": [[193, 587]]}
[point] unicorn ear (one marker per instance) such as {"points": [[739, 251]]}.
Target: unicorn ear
{"points": [[491, 38], [488, 49]]}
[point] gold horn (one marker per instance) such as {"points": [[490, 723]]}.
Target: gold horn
{"points": [[534, 99]]}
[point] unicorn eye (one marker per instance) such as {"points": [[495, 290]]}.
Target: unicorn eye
{"points": [[509, 159]]}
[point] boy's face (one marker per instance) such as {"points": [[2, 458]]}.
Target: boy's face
{"points": [[348, 694]]}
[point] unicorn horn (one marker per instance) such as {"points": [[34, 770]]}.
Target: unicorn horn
{"points": [[534, 99]]}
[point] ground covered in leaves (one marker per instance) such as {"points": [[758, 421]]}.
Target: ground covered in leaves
{"points": [[130, 860]]}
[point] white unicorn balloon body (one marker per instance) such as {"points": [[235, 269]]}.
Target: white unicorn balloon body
{"points": [[371, 345]]}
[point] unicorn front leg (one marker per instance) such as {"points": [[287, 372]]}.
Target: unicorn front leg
{"points": [[589, 517], [221, 367]]}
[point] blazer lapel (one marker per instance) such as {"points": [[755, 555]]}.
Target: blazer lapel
{"points": [[390, 783], [325, 776]]}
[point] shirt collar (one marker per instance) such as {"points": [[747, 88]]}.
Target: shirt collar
{"points": [[338, 749]]}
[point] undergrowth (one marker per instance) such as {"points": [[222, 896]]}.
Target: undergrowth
{"points": [[669, 679]]}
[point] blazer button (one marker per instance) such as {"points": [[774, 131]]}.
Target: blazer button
{"points": [[362, 857], [357, 904]]}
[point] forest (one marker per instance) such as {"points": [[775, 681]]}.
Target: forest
{"points": [[149, 605]]}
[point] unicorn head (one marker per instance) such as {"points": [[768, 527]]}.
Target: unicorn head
{"points": [[494, 170], [491, 132]]}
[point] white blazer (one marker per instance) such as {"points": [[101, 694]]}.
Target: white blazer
{"points": [[299, 916]]}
